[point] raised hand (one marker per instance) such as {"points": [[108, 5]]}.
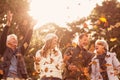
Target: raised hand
{"points": [[9, 18]]}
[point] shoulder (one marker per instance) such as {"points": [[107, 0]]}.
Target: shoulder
{"points": [[112, 54]]}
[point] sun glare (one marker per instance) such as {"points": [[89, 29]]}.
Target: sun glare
{"points": [[60, 11]]}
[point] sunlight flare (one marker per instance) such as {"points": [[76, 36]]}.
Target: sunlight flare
{"points": [[60, 11]]}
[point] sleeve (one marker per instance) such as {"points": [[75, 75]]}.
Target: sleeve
{"points": [[60, 61], [68, 55], [115, 61], [3, 39], [37, 64], [26, 41]]}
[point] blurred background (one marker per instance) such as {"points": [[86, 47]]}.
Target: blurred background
{"points": [[66, 18]]}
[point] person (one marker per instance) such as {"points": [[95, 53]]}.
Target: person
{"points": [[105, 65], [77, 59], [13, 55], [49, 59]]}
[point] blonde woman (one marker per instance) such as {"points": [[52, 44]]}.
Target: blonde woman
{"points": [[49, 59], [105, 65]]}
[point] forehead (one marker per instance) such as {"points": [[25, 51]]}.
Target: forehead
{"points": [[83, 37]]}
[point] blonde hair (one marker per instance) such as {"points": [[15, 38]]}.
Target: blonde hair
{"points": [[48, 41]]}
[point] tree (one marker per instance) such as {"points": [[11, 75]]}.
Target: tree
{"points": [[21, 20], [106, 19]]}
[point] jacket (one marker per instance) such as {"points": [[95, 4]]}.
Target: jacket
{"points": [[8, 53], [80, 58], [112, 64]]}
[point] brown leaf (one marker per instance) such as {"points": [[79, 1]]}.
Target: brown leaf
{"points": [[25, 45], [108, 64], [57, 66], [46, 69], [80, 56], [51, 60], [93, 62]]}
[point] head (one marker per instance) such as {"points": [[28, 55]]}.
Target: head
{"points": [[83, 40], [101, 46], [51, 41], [12, 41]]}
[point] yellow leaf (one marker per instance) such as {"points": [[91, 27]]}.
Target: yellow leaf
{"points": [[95, 27], [74, 44], [109, 29], [21, 37], [25, 45], [113, 39], [103, 19], [31, 50]]}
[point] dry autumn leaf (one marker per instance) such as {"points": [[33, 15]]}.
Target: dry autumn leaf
{"points": [[103, 19], [25, 45], [93, 62], [46, 69], [31, 50], [51, 60], [113, 39]]}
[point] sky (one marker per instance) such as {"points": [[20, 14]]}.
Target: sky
{"points": [[60, 11]]}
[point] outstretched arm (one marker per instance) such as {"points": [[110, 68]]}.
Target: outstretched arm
{"points": [[3, 37]]}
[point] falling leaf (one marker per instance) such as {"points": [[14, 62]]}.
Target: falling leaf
{"points": [[113, 39], [51, 70], [46, 69], [51, 60], [57, 66], [31, 50], [21, 37], [74, 44], [95, 27], [103, 19], [108, 64], [93, 62], [109, 29], [80, 56], [25, 45]]}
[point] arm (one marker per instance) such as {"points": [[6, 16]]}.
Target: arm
{"points": [[37, 62], [3, 40], [116, 62], [67, 56], [3, 37], [60, 64]]}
